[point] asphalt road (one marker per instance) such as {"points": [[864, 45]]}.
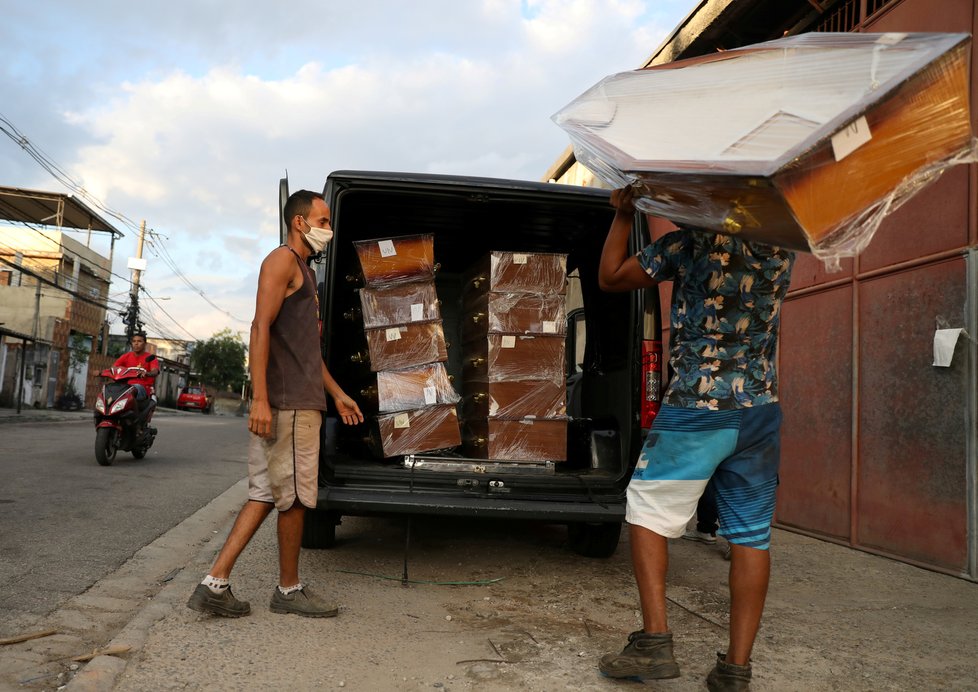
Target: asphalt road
{"points": [[66, 522]]}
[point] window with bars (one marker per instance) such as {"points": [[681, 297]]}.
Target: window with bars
{"points": [[847, 16], [874, 6]]}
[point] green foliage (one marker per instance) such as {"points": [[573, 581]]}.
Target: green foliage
{"points": [[220, 360]]}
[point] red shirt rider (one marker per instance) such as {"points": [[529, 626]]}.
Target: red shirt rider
{"points": [[138, 358]]}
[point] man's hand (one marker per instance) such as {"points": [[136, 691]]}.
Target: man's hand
{"points": [[623, 199], [348, 409], [260, 419]]}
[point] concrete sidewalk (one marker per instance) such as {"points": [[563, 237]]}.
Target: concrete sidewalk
{"points": [[836, 619], [42, 415]]}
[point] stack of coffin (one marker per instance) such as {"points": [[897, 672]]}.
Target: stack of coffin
{"points": [[514, 382], [410, 395]]}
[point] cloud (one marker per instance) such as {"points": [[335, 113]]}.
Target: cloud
{"points": [[186, 114]]}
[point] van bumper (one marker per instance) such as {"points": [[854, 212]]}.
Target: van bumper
{"points": [[358, 502]]}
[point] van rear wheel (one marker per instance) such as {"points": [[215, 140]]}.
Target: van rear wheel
{"points": [[594, 539], [319, 529]]}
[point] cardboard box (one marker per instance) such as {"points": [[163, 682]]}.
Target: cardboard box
{"points": [[519, 272], [422, 430], [513, 313], [527, 439], [805, 142], [515, 399], [399, 304], [413, 388], [510, 357], [406, 345], [386, 261]]}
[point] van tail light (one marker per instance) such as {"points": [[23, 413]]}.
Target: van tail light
{"points": [[651, 381]]}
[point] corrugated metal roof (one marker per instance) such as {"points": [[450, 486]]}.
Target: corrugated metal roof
{"points": [[51, 209]]}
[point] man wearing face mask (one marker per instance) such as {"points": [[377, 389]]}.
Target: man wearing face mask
{"points": [[290, 382]]}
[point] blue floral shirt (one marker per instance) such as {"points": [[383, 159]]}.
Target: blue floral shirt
{"points": [[726, 309]]}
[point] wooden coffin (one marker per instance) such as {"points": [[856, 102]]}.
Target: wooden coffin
{"points": [[519, 272], [413, 388], [399, 304], [806, 142], [385, 261], [420, 430], [405, 346], [504, 357], [515, 399], [513, 313], [517, 440]]}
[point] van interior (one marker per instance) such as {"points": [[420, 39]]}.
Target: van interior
{"points": [[468, 218]]}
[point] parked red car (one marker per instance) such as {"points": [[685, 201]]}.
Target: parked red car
{"points": [[195, 397]]}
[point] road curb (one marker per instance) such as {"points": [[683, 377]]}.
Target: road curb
{"points": [[208, 525]]}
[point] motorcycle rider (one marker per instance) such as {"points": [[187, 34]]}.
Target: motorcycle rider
{"points": [[138, 358]]}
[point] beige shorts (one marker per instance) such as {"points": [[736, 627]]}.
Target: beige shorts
{"points": [[284, 468]]}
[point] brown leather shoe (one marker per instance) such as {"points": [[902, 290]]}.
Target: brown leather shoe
{"points": [[645, 657], [727, 677]]}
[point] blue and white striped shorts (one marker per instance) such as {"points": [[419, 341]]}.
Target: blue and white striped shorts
{"points": [[739, 449]]}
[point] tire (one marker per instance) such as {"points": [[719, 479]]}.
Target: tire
{"points": [[594, 539], [319, 529], [105, 449]]}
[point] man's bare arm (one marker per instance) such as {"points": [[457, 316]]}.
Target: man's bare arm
{"points": [[345, 406], [618, 270]]}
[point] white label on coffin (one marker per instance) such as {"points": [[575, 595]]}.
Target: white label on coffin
{"points": [[394, 334], [402, 420], [853, 136], [891, 39], [519, 259], [386, 248], [549, 327], [508, 341], [430, 395], [417, 312]]}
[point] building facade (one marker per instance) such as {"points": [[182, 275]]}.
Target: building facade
{"points": [[54, 289]]}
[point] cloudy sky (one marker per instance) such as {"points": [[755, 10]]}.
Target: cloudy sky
{"points": [[186, 114]]}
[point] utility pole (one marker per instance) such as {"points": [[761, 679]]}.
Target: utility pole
{"points": [[137, 264]]}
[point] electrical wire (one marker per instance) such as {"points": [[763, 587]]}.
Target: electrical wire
{"points": [[159, 250], [47, 163]]}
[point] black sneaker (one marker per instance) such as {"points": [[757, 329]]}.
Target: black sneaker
{"points": [[203, 600], [645, 657], [727, 677], [302, 602]]}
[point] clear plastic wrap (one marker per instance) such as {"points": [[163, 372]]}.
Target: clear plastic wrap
{"points": [[386, 261], [519, 272], [807, 142], [510, 357], [400, 390], [406, 345], [514, 399], [399, 304], [421, 430], [527, 439], [513, 313]]}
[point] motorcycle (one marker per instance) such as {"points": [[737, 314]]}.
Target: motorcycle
{"points": [[121, 419]]}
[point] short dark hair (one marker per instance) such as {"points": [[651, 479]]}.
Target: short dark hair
{"points": [[299, 204], [140, 333]]}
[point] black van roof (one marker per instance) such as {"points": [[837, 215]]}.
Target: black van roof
{"points": [[464, 181]]}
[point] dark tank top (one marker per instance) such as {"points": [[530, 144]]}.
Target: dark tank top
{"points": [[294, 375]]}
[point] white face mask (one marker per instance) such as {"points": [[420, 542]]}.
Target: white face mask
{"points": [[318, 238]]}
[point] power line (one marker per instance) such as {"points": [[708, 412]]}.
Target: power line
{"points": [[47, 163], [62, 176], [159, 250]]}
